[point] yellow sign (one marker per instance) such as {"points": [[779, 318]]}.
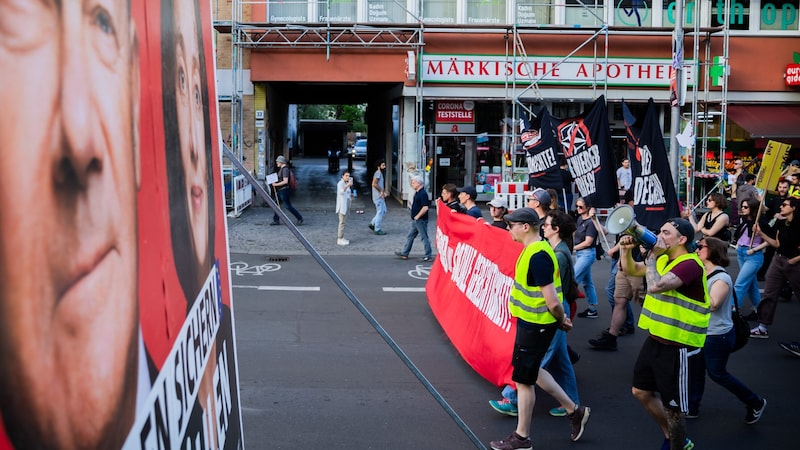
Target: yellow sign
{"points": [[771, 164]]}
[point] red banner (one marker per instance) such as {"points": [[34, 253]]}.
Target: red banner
{"points": [[468, 291]]}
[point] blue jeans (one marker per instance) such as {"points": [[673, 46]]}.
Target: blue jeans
{"points": [[418, 227], [746, 282], [583, 273], [284, 200], [611, 288], [380, 211], [556, 361], [716, 352]]}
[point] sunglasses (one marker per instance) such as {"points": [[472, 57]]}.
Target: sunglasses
{"points": [[579, 207], [700, 246], [745, 207], [786, 204]]}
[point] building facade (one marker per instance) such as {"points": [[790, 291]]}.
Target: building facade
{"points": [[444, 80]]}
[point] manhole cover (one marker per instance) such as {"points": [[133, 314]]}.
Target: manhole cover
{"points": [[277, 258]]}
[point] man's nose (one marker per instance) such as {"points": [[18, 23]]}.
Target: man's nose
{"points": [[80, 155]]}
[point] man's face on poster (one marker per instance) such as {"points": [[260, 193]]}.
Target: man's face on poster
{"points": [[192, 125], [68, 244]]}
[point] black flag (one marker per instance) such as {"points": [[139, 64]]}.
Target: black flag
{"points": [[586, 143], [539, 141], [654, 197]]}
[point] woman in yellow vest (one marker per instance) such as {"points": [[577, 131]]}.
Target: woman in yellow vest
{"points": [[676, 314]]}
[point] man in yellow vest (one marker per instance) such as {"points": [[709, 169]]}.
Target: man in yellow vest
{"points": [[676, 314], [535, 301]]}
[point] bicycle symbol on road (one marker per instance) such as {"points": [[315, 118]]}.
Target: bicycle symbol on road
{"points": [[421, 272], [240, 268]]}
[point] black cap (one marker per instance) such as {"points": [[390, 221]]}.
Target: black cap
{"points": [[685, 229], [469, 190], [523, 215]]}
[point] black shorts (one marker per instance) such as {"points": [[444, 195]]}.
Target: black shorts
{"points": [[664, 369], [530, 346]]}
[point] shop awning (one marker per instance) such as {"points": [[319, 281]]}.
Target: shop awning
{"points": [[767, 121]]}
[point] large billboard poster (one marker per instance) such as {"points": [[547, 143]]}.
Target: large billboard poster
{"points": [[116, 321]]}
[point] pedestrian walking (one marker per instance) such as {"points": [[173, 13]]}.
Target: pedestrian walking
{"points": [[586, 235], [721, 336], [784, 268], [343, 196], [283, 192], [378, 198], [535, 301], [676, 314], [749, 252], [419, 221]]}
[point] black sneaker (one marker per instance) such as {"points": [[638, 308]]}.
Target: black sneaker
{"points": [[578, 421], [574, 356], [754, 414], [606, 341], [588, 314], [371, 227], [791, 347], [512, 442]]}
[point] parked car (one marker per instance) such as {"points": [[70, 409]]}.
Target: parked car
{"points": [[359, 150]]}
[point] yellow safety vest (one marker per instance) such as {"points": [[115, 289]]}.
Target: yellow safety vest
{"points": [[527, 302], [794, 191], [673, 316]]}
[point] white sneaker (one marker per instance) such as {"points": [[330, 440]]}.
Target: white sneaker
{"points": [[342, 241]]}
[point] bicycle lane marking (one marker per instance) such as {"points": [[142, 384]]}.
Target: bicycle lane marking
{"points": [[243, 269], [420, 272]]}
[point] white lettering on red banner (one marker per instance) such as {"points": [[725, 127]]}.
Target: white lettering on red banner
{"points": [[650, 72], [478, 278]]}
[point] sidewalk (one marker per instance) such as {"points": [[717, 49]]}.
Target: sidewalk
{"points": [[251, 232]]}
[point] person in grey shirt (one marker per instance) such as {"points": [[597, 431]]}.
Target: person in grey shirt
{"points": [[378, 197]]}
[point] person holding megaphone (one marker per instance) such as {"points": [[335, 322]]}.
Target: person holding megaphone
{"points": [[676, 314]]}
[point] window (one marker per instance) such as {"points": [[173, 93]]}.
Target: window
{"points": [[533, 12], [633, 13], [589, 14], [690, 13], [439, 11], [779, 15], [340, 11], [738, 17], [385, 11], [287, 11], [486, 11]]}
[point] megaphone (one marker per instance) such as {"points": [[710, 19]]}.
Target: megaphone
{"points": [[622, 220]]}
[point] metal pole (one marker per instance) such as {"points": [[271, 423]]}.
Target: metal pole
{"points": [[675, 118]]}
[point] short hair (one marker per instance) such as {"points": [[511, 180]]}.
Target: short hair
{"points": [[553, 195], [379, 162], [344, 172], [719, 199], [749, 177], [783, 181], [717, 251], [565, 224], [417, 179], [451, 188]]}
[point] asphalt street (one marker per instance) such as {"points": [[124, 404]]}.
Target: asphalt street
{"points": [[315, 373]]}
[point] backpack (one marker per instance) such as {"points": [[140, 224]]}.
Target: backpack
{"points": [[740, 325], [292, 181]]}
